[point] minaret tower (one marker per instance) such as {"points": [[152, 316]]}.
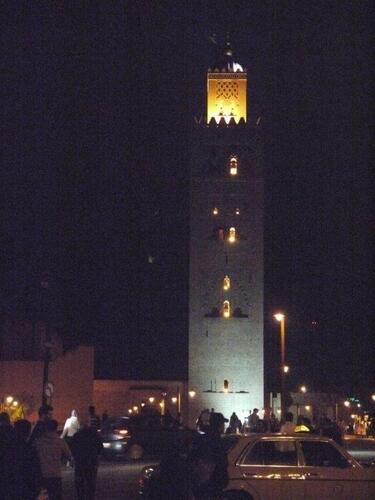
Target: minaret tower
{"points": [[226, 250]]}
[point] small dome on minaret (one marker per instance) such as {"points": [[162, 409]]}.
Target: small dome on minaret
{"points": [[225, 61]]}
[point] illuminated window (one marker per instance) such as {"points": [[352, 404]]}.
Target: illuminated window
{"points": [[215, 211], [237, 211], [226, 283], [232, 235], [226, 309], [233, 165]]}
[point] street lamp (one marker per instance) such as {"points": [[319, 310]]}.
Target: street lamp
{"points": [[373, 397], [280, 317], [302, 389]]}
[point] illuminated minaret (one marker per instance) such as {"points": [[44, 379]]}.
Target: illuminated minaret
{"points": [[226, 250]]}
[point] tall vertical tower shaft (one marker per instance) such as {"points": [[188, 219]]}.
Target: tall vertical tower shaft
{"points": [[226, 251]]}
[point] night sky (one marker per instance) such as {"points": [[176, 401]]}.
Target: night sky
{"points": [[100, 102]]}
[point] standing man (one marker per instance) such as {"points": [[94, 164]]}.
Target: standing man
{"points": [[45, 413], [86, 448], [209, 462], [94, 420], [51, 449], [254, 421]]}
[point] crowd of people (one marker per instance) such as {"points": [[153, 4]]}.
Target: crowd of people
{"points": [[31, 459], [270, 423]]}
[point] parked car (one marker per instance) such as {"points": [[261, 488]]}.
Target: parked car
{"points": [[362, 449], [275, 466], [295, 466], [135, 436]]}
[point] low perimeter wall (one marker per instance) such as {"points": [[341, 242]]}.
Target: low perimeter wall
{"points": [[72, 376]]}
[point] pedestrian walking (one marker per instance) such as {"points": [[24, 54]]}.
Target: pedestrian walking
{"points": [[86, 448], [235, 423], [71, 426], [51, 449]]}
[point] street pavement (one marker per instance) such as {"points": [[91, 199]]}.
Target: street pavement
{"points": [[116, 481]]}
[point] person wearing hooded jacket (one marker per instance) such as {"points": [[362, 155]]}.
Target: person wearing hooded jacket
{"points": [[51, 449]]}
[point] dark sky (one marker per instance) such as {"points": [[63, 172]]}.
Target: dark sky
{"points": [[99, 107]]}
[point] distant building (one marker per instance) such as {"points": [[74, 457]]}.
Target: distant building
{"points": [[226, 249]]}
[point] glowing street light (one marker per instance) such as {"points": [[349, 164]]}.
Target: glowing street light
{"points": [[280, 317], [192, 394], [151, 399], [303, 389], [373, 397], [347, 403], [9, 399], [15, 403], [174, 400]]}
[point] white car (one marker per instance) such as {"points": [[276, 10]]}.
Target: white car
{"points": [[293, 467]]}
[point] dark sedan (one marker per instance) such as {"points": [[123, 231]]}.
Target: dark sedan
{"points": [[136, 436]]}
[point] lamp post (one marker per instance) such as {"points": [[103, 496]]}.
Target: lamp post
{"points": [[45, 285], [280, 317], [302, 389]]}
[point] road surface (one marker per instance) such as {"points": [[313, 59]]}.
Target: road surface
{"points": [[116, 480]]}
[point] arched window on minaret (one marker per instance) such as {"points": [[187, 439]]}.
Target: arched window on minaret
{"points": [[226, 283], [232, 235], [226, 309], [233, 165]]}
